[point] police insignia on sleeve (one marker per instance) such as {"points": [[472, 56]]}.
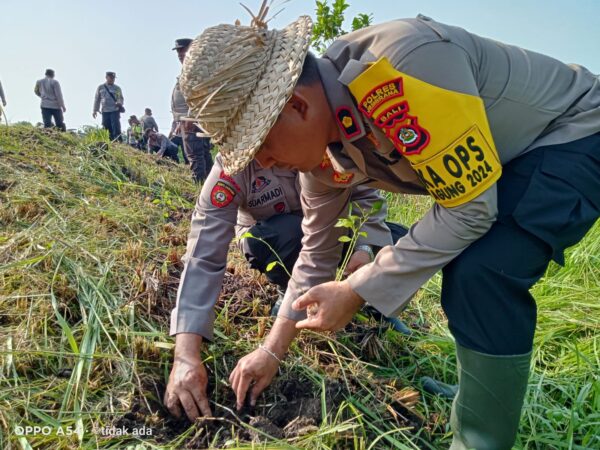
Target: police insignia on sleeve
{"points": [[444, 134], [347, 122], [221, 195], [230, 180]]}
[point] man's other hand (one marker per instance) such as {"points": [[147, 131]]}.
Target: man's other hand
{"points": [[188, 380]]}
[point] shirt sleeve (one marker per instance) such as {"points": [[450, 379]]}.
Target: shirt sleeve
{"points": [[444, 232], [321, 250], [212, 229], [2, 94], [58, 93], [322, 206], [97, 100], [163, 146]]}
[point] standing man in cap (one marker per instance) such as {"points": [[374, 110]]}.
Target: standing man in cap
{"points": [[53, 105], [506, 142], [109, 100], [196, 149]]}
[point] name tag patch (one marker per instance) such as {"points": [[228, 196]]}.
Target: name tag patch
{"points": [[462, 171], [266, 198]]}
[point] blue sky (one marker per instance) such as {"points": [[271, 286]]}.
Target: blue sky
{"points": [[81, 39]]}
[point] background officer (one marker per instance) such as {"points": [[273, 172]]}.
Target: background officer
{"points": [[506, 141], [196, 149], [109, 101]]}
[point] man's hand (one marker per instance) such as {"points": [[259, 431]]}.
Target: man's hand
{"points": [[94, 114], [330, 306], [3, 103], [188, 380], [258, 367], [358, 259], [64, 109]]}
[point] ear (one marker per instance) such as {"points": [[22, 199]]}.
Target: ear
{"points": [[299, 103]]}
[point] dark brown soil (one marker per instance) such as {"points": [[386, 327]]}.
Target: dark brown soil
{"points": [[289, 408]]}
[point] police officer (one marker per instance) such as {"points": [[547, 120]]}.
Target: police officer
{"points": [[196, 149], [265, 202], [506, 142], [162, 145], [109, 101]]}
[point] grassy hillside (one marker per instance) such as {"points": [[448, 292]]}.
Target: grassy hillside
{"points": [[91, 237]]}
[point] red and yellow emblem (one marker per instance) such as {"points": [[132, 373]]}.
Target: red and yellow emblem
{"points": [[342, 178], [325, 162]]}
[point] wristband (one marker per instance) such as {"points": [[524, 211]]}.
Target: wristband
{"points": [[367, 249], [266, 350]]}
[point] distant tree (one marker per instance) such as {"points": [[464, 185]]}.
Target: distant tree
{"points": [[329, 22]]}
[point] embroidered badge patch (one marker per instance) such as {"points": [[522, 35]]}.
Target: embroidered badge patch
{"points": [[342, 178], [326, 162], [379, 95], [443, 134], [259, 184], [221, 195], [279, 207], [347, 122], [229, 179]]}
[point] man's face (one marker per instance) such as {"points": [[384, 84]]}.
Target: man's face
{"points": [[181, 53], [301, 133], [110, 80]]}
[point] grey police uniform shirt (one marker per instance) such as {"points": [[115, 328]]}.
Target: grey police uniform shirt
{"points": [[148, 122], [103, 101], [529, 100], [179, 107], [230, 205], [48, 89], [162, 142]]}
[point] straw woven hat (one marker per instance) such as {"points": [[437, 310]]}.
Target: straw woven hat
{"points": [[237, 79]]}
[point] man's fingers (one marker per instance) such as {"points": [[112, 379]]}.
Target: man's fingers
{"points": [[309, 324], [172, 404], [257, 389], [303, 301], [205, 407], [199, 394], [189, 405], [242, 389]]}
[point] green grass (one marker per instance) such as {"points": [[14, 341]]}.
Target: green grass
{"points": [[90, 240]]}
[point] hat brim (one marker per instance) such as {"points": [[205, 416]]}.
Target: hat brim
{"points": [[255, 118]]}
